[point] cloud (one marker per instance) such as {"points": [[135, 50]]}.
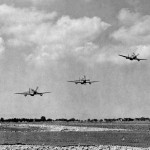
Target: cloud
{"points": [[70, 36], [127, 17], [2, 45], [48, 36], [67, 37], [17, 25], [135, 29], [143, 50], [134, 3], [11, 15]]}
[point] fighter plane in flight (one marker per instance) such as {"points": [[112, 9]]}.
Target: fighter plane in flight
{"points": [[33, 92], [132, 57], [83, 81]]}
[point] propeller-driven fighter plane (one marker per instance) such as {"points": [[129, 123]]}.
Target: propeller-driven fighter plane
{"points": [[83, 81], [33, 92], [132, 57]]}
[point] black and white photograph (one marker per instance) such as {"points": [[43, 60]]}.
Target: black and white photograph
{"points": [[74, 74]]}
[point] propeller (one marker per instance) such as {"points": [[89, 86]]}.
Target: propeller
{"points": [[84, 77], [36, 88]]}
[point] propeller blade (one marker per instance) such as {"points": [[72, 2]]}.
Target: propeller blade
{"points": [[36, 88]]}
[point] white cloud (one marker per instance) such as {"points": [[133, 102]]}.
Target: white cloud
{"points": [[127, 17], [135, 29], [70, 36], [16, 16], [2, 45], [143, 50], [49, 37], [18, 25]]}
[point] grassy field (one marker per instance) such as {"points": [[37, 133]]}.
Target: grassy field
{"points": [[140, 125], [139, 135]]}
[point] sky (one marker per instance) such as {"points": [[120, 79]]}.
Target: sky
{"points": [[46, 43]]}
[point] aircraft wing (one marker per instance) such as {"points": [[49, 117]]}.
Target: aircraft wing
{"points": [[71, 81], [44, 92], [75, 81], [93, 81], [21, 93], [141, 59], [123, 56]]}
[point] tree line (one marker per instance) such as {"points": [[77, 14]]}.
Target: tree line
{"points": [[43, 119]]}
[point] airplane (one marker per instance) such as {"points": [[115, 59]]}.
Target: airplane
{"points": [[132, 57], [32, 92], [83, 81]]}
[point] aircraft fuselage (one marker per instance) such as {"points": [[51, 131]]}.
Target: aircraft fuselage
{"points": [[133, 58], [85, 82]]}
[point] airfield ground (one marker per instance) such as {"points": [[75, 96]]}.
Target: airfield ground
{"points": [[74, 134]]}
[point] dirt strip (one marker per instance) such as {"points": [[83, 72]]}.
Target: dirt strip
{"points": [[43, 147]]}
